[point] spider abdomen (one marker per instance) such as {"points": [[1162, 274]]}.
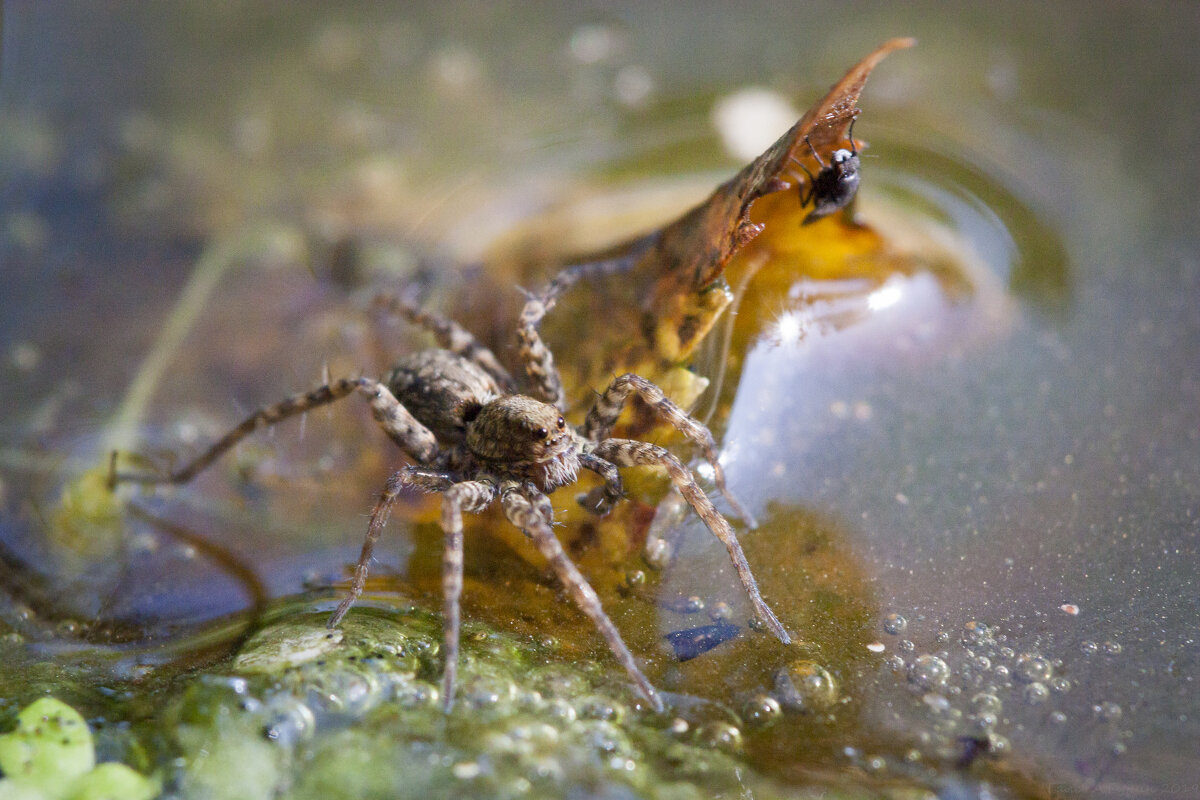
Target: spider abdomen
{"points": [[443, 390]]}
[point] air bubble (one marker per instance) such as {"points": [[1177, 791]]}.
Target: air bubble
{"points": [[976, 634], [1112, 648], [805, 686], [928, 672], [936, 702], [599, 707], [720, 612], [1107, 711], [720, 736], [657, 553], [1089, 648], [761, 711], [985, 702], [895, 624], [289, 720], [1060, 685], [1036, 693], [998, 745], [986, 721], [906, 646], [1032, 668]]}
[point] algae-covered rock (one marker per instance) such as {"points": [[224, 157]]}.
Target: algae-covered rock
{"points": [[363, 718]]}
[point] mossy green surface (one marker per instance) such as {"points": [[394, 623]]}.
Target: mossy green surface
{"points": [[364, 719], [51, 755]]}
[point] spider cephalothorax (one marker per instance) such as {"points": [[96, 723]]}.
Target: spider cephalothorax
{"points": [[456, 412]]}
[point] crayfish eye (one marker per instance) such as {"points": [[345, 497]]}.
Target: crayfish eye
{"points": [[541, 433], [562, 423]]}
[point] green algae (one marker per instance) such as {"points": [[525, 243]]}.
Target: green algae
{"points": [[361, 717], [51, 756]]}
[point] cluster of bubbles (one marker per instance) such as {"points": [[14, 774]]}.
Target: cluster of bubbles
{"points": [[972, 691]]}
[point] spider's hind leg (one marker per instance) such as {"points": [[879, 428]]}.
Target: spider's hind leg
{"points": [[603, 416], [262, 418], [448, 334], [401, 426], [545, 382]]}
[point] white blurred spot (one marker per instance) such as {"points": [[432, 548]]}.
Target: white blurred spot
{"points": [[886, 295], [591, 44], [790, 328], [456, 67], [750, 120], [633, 86]]}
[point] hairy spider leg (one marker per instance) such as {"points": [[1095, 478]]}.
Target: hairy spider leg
{"points": [[401, 426], [545, 382], [601, 499], [520, 506], [448, 334], [419, 477], [474, 496], [630, 453], [603, 416]]}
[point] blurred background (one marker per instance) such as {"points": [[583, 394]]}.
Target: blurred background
{"points": [[1017, 474]]}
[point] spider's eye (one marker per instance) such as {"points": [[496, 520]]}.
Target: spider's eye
{"points": [[562, 423], [541, 433]]}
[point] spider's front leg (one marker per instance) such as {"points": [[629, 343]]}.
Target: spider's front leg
{"points": [[420, 477], [473, 496], [521, 507], [630, 453], [603, 416], [601, 500]]}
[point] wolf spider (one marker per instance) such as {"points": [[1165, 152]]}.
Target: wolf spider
{"points": [[456, 412]]}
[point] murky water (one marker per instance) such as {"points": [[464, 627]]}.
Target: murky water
{"points": [[1004, 458]]}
